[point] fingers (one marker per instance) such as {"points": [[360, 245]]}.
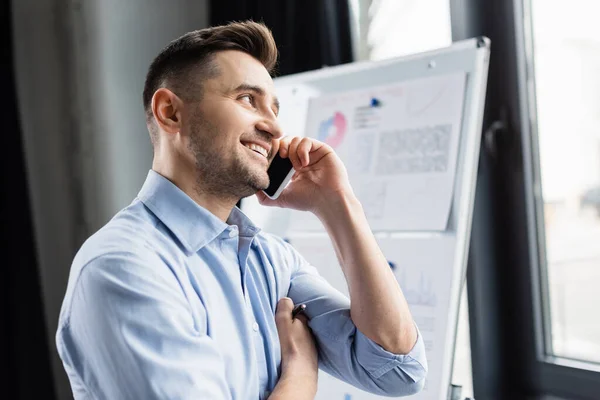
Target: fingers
{"points": [[293, 153], [302, 151], [284, 143], [284, 312], [302, 318], [298, 347], [274, 149]]}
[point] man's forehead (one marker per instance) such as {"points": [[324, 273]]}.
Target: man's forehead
{"points": [[237, 67]]}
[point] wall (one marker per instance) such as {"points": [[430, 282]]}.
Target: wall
{"points": [[80, 69]]}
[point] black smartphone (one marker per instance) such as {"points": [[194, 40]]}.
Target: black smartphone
{"points": [[280, 172]]}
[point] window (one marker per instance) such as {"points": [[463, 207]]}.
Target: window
{"points": [[394, 28], [566, 55]]}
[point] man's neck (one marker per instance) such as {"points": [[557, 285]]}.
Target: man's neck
{"points": [[217, 205]]}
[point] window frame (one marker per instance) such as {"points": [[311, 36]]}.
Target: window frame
{"points": [[557, 374], [507, 270]]}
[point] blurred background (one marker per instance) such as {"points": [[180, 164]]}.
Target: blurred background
{"points": [[76, 151]]}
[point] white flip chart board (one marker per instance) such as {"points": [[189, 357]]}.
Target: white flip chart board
{"points": [[408, 131]]}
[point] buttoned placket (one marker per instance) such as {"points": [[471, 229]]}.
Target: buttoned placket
{"points": [[245, 247]]}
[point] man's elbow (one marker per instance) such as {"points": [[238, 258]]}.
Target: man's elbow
{"points": [[402, 384], [404, 389], [400, 343], [413, 388]]}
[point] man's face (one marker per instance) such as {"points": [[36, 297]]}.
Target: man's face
{"points": [[231, 130]]}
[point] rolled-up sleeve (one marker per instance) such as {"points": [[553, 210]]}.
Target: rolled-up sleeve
{"points": [[131, 335], [344, 351]]}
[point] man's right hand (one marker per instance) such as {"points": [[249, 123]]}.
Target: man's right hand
{"points": [[299, 360]]}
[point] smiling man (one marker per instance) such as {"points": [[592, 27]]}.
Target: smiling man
{"points": [[180, 296]]}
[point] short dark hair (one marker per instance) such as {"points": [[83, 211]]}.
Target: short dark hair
{"points": [[192, 55]]}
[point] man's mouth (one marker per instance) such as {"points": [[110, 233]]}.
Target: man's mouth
{"points": [[257, 148]]}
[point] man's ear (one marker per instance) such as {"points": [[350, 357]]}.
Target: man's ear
{"points": [[167, 108]]}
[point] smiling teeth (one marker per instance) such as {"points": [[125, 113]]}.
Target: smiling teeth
{"points": [[257, 148]]}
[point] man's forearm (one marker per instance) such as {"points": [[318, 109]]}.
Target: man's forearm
{"points": [[294, 387], [378, 307]]}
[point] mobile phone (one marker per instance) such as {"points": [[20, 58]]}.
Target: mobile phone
{"points": [[280, 172]]}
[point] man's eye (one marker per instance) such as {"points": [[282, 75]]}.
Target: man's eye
{"points": [[247, 98]]}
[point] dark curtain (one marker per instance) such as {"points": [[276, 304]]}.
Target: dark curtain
{"points": [[310, 34], [23, 341]]}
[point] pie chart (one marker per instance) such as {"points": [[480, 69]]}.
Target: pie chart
{"points": [[333, 129]]}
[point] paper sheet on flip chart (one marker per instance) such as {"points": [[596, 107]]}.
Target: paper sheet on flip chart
{"points": [[399, 144], [423, 267]]}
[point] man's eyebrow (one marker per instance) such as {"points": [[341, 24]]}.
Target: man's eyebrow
{"points": [[258, 90]]}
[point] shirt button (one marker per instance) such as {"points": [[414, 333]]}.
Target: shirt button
{"points": [[233, 233], [255, 327]]}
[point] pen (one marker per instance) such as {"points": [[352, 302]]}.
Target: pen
{"points": [[298, 309]]}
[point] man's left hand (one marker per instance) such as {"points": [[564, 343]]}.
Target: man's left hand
{"points": [[320, 180]]}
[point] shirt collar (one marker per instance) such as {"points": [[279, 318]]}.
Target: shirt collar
{"points": [[193, 225]]}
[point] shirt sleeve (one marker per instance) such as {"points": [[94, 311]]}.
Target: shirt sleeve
{"points": [[344, 351], [131, 334]]}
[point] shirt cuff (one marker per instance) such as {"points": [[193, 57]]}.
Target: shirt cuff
{"points": [[378, 361]]}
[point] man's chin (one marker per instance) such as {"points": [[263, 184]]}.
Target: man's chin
{"points": [[252, 180], [252, 190], [259, 186], [256, 184], [260, 180]]}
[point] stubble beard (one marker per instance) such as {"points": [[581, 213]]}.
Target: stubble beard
{"points": [[226, 177]]}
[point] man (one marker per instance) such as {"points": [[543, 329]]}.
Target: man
{"points": [[180, 296]]}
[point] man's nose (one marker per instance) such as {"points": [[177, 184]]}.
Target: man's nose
{"points": [[270, 126]]}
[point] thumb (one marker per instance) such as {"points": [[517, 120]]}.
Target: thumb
{"points": [[264, 200], [284, 311]]}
